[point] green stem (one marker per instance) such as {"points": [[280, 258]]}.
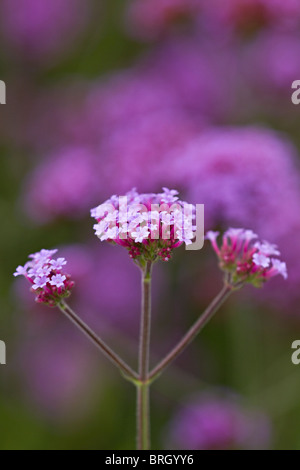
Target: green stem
{"points": [[192, 333], [143, 406], [143, 417]]}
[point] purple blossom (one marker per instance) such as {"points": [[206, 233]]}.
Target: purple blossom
{"points": [[58, 280], [41, 271], [64, 183], [135, 120], [279, 267], [218, 422], [267, 248], [57, 264], [132, 219], [225, 166], [40, 282], [261, 260], [138, 145], [57, 369], [247, 176]]}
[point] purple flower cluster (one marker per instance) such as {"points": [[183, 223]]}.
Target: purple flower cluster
{"points": [[244, 176], [142, 145], [57, 369], [150, 226], [64, 184], [271, 77], [219, 423], [47, 277], [39, 29], [246, 259]]}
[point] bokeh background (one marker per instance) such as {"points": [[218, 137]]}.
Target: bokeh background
{"points": [[103, 96]]}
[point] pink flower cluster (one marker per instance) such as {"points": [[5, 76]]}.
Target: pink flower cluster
{"points": [[46, 275], [150, 226], [245, 259]]}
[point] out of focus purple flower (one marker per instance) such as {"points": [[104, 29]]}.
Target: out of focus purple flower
{"points": [[219, 423], [140, 146], [181, 77], [271, 63], [68, 182], [150, 19], [182, 73], [39, 29], [244, 176], [192, 67], [65, 184], [133, 120], [59, 371]]}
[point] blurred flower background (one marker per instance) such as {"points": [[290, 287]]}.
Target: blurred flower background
{"points": [[105, 96]]}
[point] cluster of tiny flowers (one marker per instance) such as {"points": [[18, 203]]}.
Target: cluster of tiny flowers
{"points": [[150, 226], [245, 259], [46, 275]]}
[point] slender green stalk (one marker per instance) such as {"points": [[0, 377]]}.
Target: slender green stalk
{"points": [[192, 333], [143, 417], [143, 405], [107, 351]]}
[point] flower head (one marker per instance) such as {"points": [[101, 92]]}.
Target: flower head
{"points": [[150, 226], [45, 274], [245, 261]]}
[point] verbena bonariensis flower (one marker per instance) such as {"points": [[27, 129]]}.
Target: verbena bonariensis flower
{"points": [[150, 225], [47, 277], [216, 422], [245, 259], [269, 77]]}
